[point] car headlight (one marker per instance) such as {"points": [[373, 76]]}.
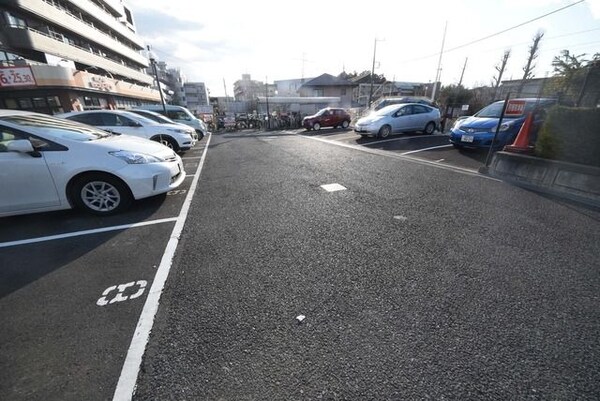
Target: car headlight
{"points": [[503, 127], [135, 157]]}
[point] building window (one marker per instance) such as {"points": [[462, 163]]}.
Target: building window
{"points": [[318, 92], [343, 92]]}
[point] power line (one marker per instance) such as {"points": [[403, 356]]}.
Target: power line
{"points": [[500, 32], [514, 27]]}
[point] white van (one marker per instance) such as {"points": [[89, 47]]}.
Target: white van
{"points": [[179, 115]]}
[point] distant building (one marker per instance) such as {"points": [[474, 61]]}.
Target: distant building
{"points": [[327, 85], [196, 98], [62, 55], [290, 87], [247, 89]]}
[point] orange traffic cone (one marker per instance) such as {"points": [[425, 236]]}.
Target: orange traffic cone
{"points": [[521, 143]]}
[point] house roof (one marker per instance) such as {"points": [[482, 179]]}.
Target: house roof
{"points": [[328, 80]]}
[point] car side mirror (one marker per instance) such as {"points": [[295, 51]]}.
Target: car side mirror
{"points": [[22, 146], [135, 124], [19, 145]]}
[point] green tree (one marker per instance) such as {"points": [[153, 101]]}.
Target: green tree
{"points": [[571, 75], [454, 96]]}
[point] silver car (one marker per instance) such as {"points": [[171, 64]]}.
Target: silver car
{"points": [[399, 118]]}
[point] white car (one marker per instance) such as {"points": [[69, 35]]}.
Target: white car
{"points": [[127, 123], [48, 163], [399, 118], [159, 118]]}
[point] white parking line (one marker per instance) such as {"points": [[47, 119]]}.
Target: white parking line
{"points": [[85, 232], [402, 138], [133, 360], [424, 149], [401, 156], [191, 157]]}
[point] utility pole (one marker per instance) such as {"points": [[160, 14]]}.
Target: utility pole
{"points": [[462, 74], [372, 74], [226, 97], [267, 98], [152, 58], [439, 67]]}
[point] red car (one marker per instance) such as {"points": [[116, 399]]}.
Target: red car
{"points": [[329, 117]]}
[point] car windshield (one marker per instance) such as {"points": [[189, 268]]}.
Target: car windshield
{"points": [[156, 117], [494, 110], [56, 128]]}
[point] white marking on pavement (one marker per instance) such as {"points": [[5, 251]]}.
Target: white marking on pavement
{"points": [[133, 360], [424, 149], [395, 155], [439, 161], [191, 157], [401, 218], [401, 138], [119, 297], [85, 232], [333, 187], [176, 192]]}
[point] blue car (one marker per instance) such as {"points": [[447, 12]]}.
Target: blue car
{"points": [[478, 130]]}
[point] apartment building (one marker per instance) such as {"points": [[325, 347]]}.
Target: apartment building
{"points": [[63, 55], [196, 98]]}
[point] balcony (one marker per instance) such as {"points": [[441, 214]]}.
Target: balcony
{"points": [[57, 16], [29, 38]]}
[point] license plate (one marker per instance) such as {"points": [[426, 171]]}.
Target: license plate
{"points": [[467, 138]]}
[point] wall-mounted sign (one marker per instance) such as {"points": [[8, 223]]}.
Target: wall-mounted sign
{"points": [[102, 83], [16, 76]]}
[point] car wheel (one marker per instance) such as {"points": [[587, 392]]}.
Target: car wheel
{"points": [[385, 131], [316, 126], [457, 146], [345, 124], [167, 141], [429, 128], [101, 194], [200, 135]]}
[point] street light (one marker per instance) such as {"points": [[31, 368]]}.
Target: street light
{"points": [[152, 58]]}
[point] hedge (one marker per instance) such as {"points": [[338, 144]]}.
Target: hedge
{"points": [[571, 135]]}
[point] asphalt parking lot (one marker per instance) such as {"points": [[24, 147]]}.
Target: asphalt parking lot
{"points": [[72, 287], [430, 148]]}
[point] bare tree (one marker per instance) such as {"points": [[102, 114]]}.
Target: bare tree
{"points": [[500, 67], [530, 66]]}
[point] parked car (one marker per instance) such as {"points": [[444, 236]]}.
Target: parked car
{"points": [[48, 163], [478, 130], [328, 117], [125, 122], [399, 118], [161, 119], [388, 101], [181, 115]]}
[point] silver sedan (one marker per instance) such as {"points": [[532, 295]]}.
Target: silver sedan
{"points": [[399, 118]]}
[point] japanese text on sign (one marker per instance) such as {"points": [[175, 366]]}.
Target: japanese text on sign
{"points": [[515, 108], [16, 76]]}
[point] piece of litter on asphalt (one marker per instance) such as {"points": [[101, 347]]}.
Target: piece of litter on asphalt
{"points": [[401, 218], [300, 318]]}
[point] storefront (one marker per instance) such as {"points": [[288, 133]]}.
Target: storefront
{"points": [[56, 89]]}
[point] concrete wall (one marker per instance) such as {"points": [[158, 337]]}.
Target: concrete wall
{"points": [[572, 181]]}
